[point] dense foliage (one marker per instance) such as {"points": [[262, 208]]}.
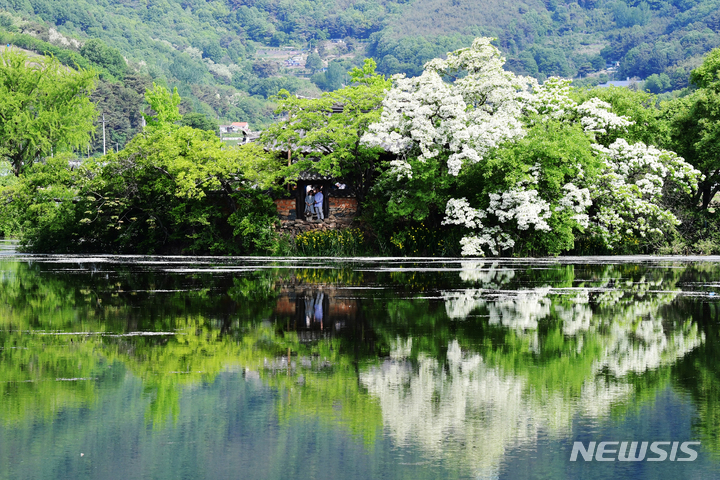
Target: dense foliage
{"points": [[326, 131], [467, 158], [44, 108], [171, 189], [227, 56]]}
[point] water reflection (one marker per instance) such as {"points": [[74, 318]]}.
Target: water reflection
{"points": [[572, 351], [315, 312], [464, 363]]}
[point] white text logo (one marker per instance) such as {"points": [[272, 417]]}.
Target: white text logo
{"points": [[629, 451]]}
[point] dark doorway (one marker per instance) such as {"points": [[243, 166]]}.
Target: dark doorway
{"points": [[302, 188]]}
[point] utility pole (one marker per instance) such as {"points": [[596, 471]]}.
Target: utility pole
{"points": [[104, 152]]}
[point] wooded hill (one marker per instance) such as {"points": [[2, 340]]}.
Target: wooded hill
{"points": [[227, 57]]}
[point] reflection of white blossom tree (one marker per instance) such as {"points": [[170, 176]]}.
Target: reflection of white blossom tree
{"points": [[469, 412], [463, 410], [473, 407]]}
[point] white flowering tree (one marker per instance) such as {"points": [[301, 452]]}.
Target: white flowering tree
{"points": [[518, 166]]}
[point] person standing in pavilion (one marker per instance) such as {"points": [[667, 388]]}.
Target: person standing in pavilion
{"points": [[319, 204]]}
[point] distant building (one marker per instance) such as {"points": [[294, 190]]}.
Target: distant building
{"points": [[235, 127], [618, 83]]}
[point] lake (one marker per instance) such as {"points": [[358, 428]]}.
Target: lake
{"points": [[320, 368]]}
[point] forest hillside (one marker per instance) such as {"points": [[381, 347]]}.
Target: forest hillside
{"points": [[228, 58]]}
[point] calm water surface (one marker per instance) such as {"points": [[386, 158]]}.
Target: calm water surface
{"points": [[209, 368]]}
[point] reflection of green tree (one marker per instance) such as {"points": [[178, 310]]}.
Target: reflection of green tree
{"points": [[32, 296], [199, 353], [341, 275], [202, 347], [196, 354], [40, 380], [588, 318], [698, 373], [334, 396]]}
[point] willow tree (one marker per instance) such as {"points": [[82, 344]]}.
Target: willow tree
{"points": [[45, 108]]}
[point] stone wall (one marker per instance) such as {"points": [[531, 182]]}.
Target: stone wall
{"points": [[286, 209], [296, 227], [341, 215], [343, 207]]}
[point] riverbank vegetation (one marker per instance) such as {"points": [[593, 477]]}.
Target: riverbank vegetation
{"points": [[466, 158]]}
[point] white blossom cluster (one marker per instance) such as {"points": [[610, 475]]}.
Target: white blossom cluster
{"points": [[552, 100], [517, 208], [194, 52], [627, 192], [523, 206], [576, 200], [595, 116], [402, 169], [648, 167], [459, 212], [491, 238], [220, 70], [57, 38], [426, 115]]}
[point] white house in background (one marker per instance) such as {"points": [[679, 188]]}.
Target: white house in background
{"points": [[235, 127]]}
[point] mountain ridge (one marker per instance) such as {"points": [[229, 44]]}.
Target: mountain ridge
{"points": [[216, 51]]}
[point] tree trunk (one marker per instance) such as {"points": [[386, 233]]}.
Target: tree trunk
{"points": [[707, 191]]}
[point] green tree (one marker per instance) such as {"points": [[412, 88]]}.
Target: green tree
{"points": [[164, 104], [332, 79], [211, 49], [122, 104], [313, 62], [98, 53], [45, 108], [707, 75], [332, 126], [265, 68], [657, 83], [695, 127], [186, 69], [199, 121]]}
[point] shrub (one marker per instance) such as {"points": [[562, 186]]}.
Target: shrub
{"points": [[338, 243], [419, 240]]}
